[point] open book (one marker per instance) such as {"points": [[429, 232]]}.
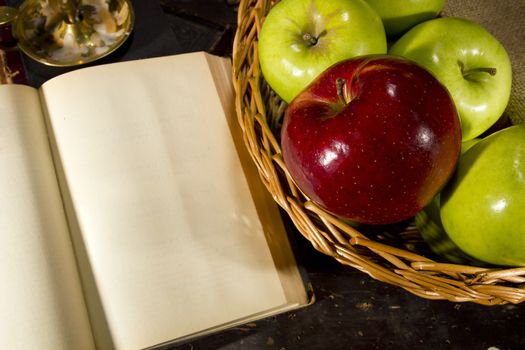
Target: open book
{"points": [[130, 216]]}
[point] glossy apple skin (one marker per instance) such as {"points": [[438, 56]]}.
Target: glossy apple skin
{"points": [[400, 15], [343, 28], [428, 222], [380, 157], [483, 206], [448, 47]]}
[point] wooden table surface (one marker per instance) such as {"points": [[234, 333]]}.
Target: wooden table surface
{"points": [[352, 310]]}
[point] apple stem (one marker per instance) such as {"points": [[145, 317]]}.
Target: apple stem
{"points": [[310, 39], [490, 70], [466, 73], [340, 85]]}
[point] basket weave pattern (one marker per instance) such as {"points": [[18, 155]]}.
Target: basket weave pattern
{"points": [[400, 261]]}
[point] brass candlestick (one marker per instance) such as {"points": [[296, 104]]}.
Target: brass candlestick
{"points": [[71, 32]]}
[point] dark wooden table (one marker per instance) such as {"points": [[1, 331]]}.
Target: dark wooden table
{"points": [[352, 310]]}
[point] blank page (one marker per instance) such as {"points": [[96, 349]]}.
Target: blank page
{"points": [[41, 301], [169, 227]]}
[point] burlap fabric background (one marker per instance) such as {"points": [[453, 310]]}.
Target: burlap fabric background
{"points": [[505, 19]]}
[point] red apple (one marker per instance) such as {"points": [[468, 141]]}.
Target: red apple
{"points": [[372, 139]]}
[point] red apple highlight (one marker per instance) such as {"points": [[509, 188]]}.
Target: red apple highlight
{"points": [[372, 139]]}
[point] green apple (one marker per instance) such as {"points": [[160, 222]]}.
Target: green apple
{"points": [[469, 61], [400, 15], [483, 206], [428, 222], [299, 39], [466, 145]]}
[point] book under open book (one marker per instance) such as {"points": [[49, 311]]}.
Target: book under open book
{"points": [[131, 215]]}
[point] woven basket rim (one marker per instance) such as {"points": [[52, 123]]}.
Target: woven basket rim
{"points": [[259, 111]]}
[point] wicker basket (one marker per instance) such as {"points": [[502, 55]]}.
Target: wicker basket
{"points": [[394, 254]]}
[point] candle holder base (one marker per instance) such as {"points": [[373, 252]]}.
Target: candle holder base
{"points": [[88, 31]]}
